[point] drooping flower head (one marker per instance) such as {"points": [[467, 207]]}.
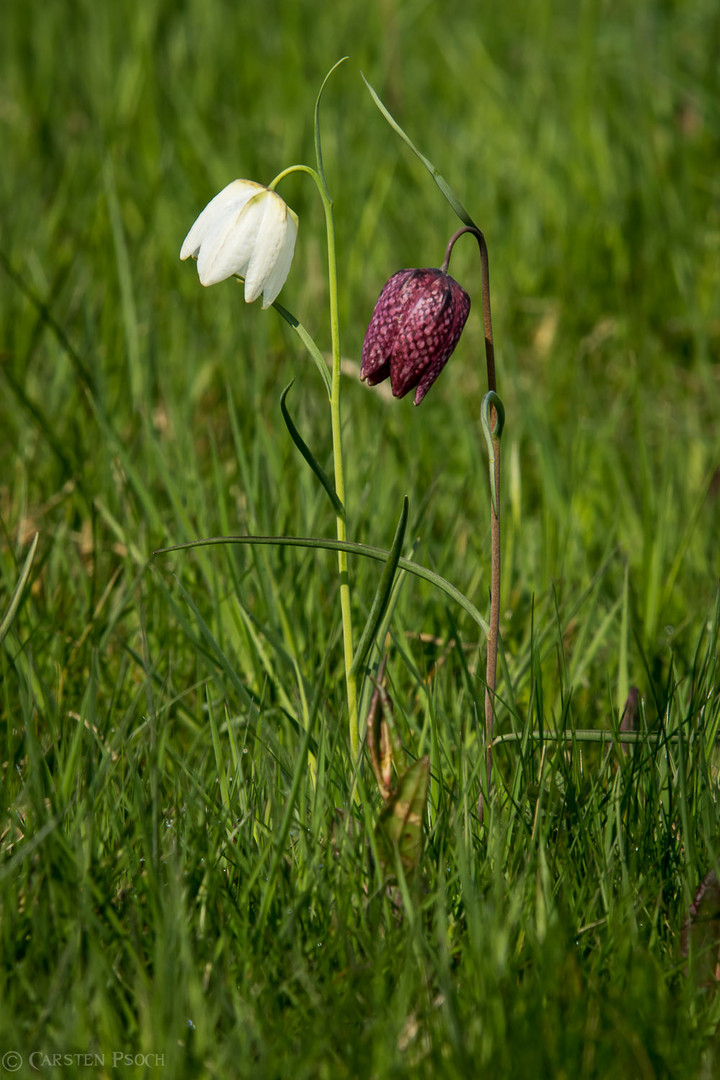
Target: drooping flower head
{"points": [[413, 331], [247, 230]]}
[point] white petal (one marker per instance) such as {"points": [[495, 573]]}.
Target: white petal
{"points": [[273, 252], [278, 276], [232, 197], [271, 228], [228, 247]]}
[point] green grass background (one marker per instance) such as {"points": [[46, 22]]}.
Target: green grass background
{"points": [[172, 881]]}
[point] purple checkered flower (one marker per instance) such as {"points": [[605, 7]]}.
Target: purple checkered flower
{"points": [[413, 331]]}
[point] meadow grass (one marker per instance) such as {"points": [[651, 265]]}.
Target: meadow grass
{"points": [[186, 876]]}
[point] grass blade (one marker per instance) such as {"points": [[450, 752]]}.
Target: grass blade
{"points": [[382, 596], [19, 589], [327, 544], [318, 146]]}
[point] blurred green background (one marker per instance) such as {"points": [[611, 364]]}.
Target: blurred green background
{"points": [[583, 138]]}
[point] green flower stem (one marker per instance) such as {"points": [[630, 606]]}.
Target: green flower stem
{"points": [[350, 679], [336, 425]]}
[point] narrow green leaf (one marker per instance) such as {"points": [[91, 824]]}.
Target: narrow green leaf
{"points": [[220, 762], [217, 654], [382, 595], [583, 661], [299, 773], [308, 454], [623, 684], [713, 723], [19, 589], [318, 147], [123, 262], [588, 735], [48, 319], [492, 436], [66, 455], [234, 749], [400, 825], [629, 719], [435, 173], [69, 768], [309, 344], [323, 544]]}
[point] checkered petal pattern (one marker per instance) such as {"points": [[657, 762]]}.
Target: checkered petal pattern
{"points": [[416, 324]]}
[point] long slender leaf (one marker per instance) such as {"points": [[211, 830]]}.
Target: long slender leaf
{"points": [[589, 735], [220, 763], [318, 146], [19, 589], [217, 653], [298, 773], [382, 596], [368, 551], [308, 454], [435, 173], [309, 344]]}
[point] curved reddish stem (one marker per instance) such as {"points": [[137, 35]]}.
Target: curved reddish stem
{"points": [[494, 624]]}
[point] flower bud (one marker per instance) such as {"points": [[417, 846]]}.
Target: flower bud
{"points": [[413, 331], [248, 231]]}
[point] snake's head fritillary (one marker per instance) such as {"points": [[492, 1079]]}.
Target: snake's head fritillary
{"points": [[416, 324], [246, 231]]}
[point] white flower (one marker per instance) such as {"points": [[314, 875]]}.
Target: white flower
{"points": [[249, 231]]}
